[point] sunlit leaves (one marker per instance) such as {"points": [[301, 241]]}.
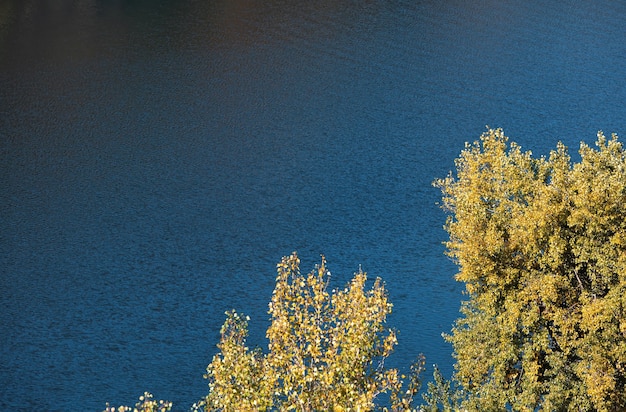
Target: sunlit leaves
{"points": [[237, 374], [146, 404], [326, 349], [541, 248]]}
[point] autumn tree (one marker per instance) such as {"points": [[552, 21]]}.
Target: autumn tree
{"points": [[327, 349], [541, 248]]}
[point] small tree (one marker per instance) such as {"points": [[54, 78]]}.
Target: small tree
{"points": [[541, 248], [327, 349]]}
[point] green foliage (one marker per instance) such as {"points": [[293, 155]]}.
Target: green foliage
{"points": [[326, 350], [541, 247], [442, 395]]}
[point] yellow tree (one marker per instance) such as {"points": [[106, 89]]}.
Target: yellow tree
{"points": [[326, 349], [541, 248]]}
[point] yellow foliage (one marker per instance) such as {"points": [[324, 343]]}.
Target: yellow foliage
{"points": [[326, 349], [146, 404], [541, 247]]}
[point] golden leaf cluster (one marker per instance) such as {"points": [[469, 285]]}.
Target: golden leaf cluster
{"points": [[326, 349], [541, 247]]}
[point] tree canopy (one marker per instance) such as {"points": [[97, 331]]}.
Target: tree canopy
{"points": [[540, 244], [327, 349]]}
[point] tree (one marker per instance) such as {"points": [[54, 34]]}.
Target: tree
{"points": [[541, 248], [327, 350]]}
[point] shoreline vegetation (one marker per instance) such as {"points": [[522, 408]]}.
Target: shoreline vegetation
{"points": [[540, 245]]}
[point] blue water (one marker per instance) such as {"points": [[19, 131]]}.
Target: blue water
{"points": [[158, 158]]}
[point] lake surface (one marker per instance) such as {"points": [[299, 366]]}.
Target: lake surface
{"points": [[158, 158]]}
